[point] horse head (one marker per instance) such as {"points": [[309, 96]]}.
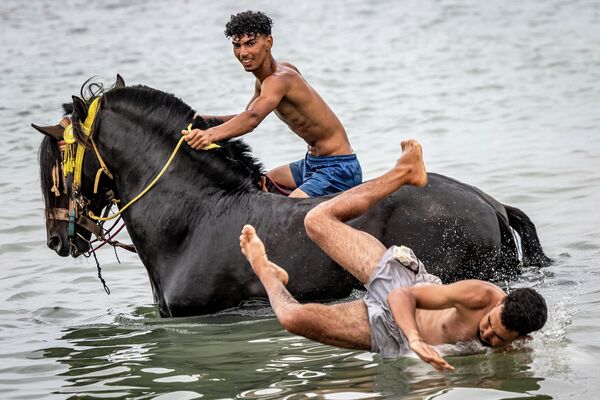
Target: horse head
{"points": [[71, 190], [76, 182]]}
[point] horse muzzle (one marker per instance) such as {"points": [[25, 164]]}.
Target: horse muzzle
{"points": [[65, 247], [61, 247]]}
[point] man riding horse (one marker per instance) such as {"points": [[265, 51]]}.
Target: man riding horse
{"points": [[330, 166]]}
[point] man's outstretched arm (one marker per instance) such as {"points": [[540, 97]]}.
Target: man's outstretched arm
{"points": [[405, 301], [403, 304], [272, 91], [222, 118]]}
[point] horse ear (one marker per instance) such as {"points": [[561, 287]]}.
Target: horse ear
{"points": [[78, 107], [54, 131], [120, 83]]}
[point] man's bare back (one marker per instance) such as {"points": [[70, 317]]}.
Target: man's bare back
{"points": [[426, 315]]}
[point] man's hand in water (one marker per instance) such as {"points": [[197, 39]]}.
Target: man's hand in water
{"points": [[197, 138], [428, 354]]}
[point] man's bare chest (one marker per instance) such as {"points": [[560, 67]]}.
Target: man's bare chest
{"points": [[447, 326]]}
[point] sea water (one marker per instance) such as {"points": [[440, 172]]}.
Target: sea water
{"points": [[502, 95]]}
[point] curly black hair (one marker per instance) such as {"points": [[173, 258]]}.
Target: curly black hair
{"points": [[248, 23], [524, 311]]}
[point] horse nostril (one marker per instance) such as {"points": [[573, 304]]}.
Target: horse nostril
{"points": [[54, 242]]}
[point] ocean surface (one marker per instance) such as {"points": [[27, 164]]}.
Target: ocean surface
{"points": [[502, 95]]}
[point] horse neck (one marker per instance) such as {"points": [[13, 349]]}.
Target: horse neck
{"points": [[134, 154], [141, 147]]}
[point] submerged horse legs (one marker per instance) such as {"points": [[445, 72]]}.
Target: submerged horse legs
{"points": [[345, 324]]}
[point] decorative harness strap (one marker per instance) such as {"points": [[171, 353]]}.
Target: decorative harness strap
{"points": [[74, 152], [73, 157]]}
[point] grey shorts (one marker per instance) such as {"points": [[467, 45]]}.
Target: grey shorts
{"points": [[399, 267]]}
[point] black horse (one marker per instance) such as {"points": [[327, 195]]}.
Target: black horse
{"points": [[186, 228]]}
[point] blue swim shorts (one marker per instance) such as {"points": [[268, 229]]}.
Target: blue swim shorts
{"points": [[319, 176]]}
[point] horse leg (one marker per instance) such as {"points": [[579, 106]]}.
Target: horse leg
{"points": [[357, 251]]}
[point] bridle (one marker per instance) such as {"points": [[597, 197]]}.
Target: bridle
{"points": [[78, 212], [73, 154]]}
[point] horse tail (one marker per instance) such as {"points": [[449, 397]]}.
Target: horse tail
{"points": [[533, 254]]}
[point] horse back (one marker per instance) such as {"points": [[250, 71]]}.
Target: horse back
{"points": [[455, 229]]}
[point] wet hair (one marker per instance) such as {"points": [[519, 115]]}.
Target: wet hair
{"points": [[524, 311], [248, 23]]}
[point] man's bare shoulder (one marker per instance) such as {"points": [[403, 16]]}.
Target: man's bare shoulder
{"points": [[474, 293], [290, 65], [466, 295], [286, 74]]}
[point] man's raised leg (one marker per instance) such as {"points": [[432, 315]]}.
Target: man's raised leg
{"points": [[344, 325], [357, 251]]}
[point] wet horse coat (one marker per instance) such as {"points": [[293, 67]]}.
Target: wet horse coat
{"points": [[186, 228]]}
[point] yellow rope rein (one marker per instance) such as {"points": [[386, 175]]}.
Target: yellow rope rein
{"points": [[139, 196], [74, 154], [136, 198]]}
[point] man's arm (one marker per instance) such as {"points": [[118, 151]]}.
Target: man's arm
{"points": [[222, 118], [272, 91], [403, 303]]}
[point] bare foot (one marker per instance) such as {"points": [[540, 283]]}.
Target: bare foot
{"points": [[254, 251], [411, 163]]}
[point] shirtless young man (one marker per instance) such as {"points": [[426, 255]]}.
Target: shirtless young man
{"points": [[330, 165], [404, 308]]}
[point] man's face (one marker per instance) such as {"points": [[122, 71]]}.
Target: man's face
{"points": [[492, 333], [251, 50]]}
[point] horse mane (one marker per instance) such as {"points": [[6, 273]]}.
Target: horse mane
{"points": [[231, 167]]}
